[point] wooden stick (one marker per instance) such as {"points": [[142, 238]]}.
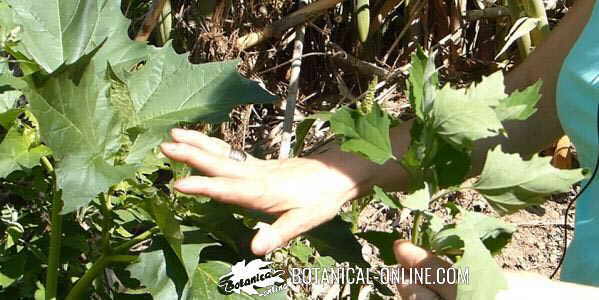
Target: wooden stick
{"points": [[150, 21], [293, 90], [277, 28]]}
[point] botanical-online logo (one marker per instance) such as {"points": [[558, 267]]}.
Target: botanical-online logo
{"points": [[246, 278]]}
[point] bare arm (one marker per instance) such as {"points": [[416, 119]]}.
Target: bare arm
{"points": [[526, 137]]}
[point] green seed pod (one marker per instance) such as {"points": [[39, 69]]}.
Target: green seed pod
{"points": [[362, 10]]}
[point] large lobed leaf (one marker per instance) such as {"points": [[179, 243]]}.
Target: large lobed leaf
{"points": [[84, 110], [58, 32], [79, 125], [510, 183]]}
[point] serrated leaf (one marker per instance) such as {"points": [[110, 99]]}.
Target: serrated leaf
{"points": [[462, 120], [17, 151], [423, 82], [489, 90], [520, 105], [367, 135], [196, 92], [78, 124], [205, 284], [160, 270], [494, 233], [384, 242], [57, 31], [479, 262], [510, 183]]}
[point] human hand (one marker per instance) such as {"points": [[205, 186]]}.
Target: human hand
{"points": [[520, 285], [302, 192], [409, 255]]}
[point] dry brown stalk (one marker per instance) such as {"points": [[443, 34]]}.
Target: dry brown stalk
{"points": [[293, 90], [277, 28], [150, 21]]}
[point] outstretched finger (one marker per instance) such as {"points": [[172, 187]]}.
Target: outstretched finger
{"points": [[242, 192], [205, 162], [412, 256], [211, 145], [288, 226], [195, 138]]}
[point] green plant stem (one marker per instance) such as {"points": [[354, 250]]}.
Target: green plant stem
{"points": [[416, 228], [536, 9], [137, 239], [84, 282], [106, 222], [55, 235]]}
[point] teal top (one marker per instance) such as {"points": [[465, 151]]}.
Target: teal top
{"points": [[577, 101]]}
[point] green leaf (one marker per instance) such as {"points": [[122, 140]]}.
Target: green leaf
{"points": [[195, 92], [520, 105], [451, 165], [494, 233], [58, 31], [11, 269], [367, 135], [160, 270], [383, 197], [479, 262], [300, 135], [422, 83], [384, 242], [302, 251], [417, 200], [17, 151], [462, 120], [164, 216], [510, 183], [205, 284], [78, 124], [327, 237], [8, 110], [489, 90]]}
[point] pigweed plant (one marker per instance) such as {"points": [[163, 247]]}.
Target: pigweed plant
{"points": [[447, 124], [89, 210]]}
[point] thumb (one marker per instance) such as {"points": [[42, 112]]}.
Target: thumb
{"points": [[288, 226]]}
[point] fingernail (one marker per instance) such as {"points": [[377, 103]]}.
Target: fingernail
{"points": [[178, 132], [170, 147], [185, 184], [267, 240]]}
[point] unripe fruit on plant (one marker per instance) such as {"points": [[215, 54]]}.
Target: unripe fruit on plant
{"points": [[362, 10]]}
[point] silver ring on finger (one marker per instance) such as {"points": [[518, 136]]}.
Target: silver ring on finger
{"points": [[237, 155]]}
